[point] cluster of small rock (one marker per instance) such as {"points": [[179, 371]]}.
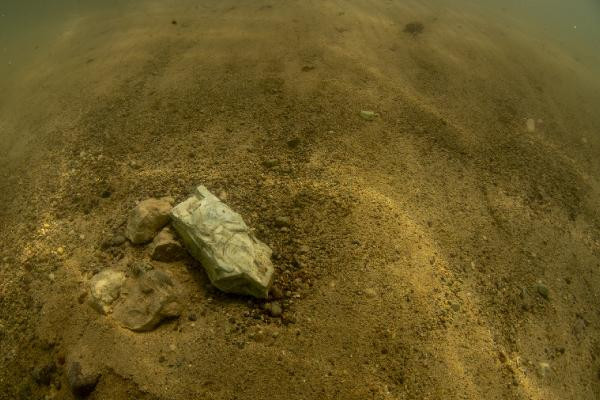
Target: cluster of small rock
{"points": [[140, 296], [234, 259]]}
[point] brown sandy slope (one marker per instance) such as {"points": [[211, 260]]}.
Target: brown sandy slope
{"points": [[417, 240]]}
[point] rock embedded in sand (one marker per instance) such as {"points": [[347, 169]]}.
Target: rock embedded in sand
{"points": [[166, 248], [282, 221], [543, 290], [530, 125], [147, 299], [414, 28], [276, 292], [271, 163], [82, 382], [544, 369], [234, 259], [114, 241], [43, 374], [293, 143], [105, 288], [146, 219], [138, 302]]}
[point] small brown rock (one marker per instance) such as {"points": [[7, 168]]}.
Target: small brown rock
{"points": [[146, 219], [114, 241], [166, 248], [282, 221], [270, 163], [276, 292], [294, 142]]}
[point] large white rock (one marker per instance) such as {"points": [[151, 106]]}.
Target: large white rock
{"points": [[234, 259]]}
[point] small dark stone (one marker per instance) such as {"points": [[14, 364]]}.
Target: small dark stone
{"points": [[293, 143], [276, 292], [162, 359], [47, 344], [114, 241], [543, 290], [82, 296], [414, 28], [297, 263], [501, 357], [105, 193], [282, 221], [174, 22], [81, 384], [138, 268], [307, 68], [192, 317], [270, 163], [166, 248], [43, 375]]}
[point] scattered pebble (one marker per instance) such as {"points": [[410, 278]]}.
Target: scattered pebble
{"points": [[282, 221], [115, 241], [414, 28], [270, 163], [276, 292], [544, 369], [368, 115], [543, 290], [530, 125], [276, 309], [293, 143], [43, 374]]}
